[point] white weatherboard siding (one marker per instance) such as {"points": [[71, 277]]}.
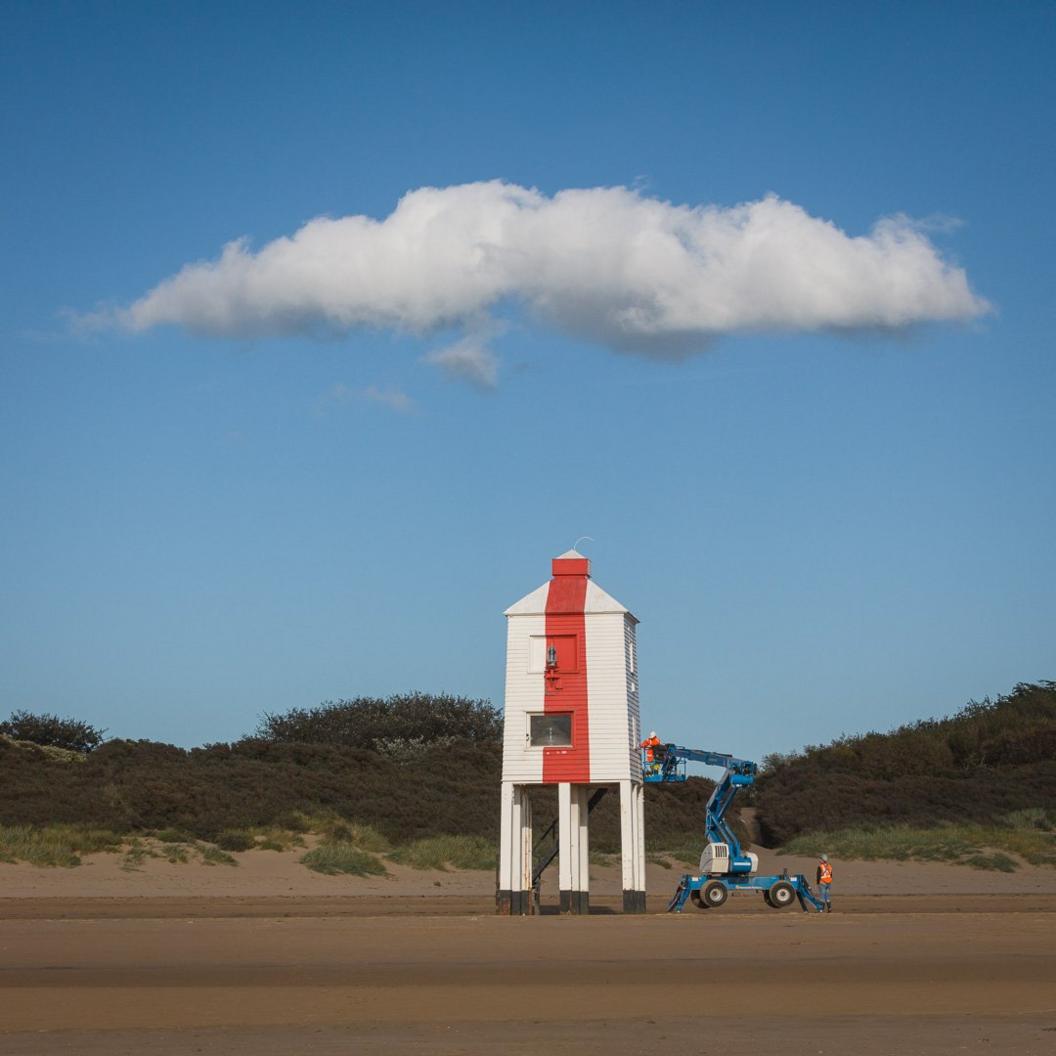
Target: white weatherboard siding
{"points": [[609, 702], [634, 714], [524, 695]]}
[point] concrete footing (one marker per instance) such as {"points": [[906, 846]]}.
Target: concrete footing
{"points": [[514, 903], [634, 901]]}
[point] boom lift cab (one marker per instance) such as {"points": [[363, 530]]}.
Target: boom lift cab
{"points": [[724, 868]]}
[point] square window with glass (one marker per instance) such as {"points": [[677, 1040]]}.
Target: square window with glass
{"points": [[552, 730]]}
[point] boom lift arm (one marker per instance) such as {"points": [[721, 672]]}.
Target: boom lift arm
{"points": [[670, 765]]}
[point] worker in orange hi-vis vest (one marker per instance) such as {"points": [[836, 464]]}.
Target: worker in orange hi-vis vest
{"points": [[651, 745], [825, 881]]}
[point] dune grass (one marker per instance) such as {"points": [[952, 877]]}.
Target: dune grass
{"points": [[333, 828], [50, 752], [172, 836], [136, 853], [138, 850], [339, 856], [273, 838], [211, 855], [442, 852], [1028, 835], [54, 845], [687, 855], [346, 847]]}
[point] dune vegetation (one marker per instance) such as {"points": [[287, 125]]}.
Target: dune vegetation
{"points": [[414, 780]]}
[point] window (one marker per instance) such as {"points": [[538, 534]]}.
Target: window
{"points": [[552, 730], [537, 654]]}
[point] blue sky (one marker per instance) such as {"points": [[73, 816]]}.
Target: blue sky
{"points": [[823, 531]]}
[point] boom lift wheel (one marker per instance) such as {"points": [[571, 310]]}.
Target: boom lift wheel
{"points": [[714, 894], [694, 897], [781, 895]]}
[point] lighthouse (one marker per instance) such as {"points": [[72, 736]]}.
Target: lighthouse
{"points": [[571, 720]]}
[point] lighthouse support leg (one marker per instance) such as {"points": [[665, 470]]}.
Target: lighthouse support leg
{"points": [[580, 818], [573, 848], [639, 890], [632, 846], [515, 851]]}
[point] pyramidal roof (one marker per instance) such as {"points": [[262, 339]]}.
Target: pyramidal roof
{"points": [[597, 600]]}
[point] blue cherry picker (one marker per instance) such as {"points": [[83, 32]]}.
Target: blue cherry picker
{"points": [[724, 867]]}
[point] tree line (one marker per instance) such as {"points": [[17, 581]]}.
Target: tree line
{"points": [[421, 764]]}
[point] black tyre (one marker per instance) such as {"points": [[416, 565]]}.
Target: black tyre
{"points": [[766, 899], [781, 895], [714, 894], [694, 897]]}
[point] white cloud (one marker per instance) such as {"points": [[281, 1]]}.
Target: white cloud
{"points": [[469, 359], [339, 394], [394, 399], [607, 264]]}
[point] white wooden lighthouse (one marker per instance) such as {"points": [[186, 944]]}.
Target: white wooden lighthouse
{"points": [[571, 720]]}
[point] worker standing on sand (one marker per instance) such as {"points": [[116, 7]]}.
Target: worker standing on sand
{"points": [[825, 881]]}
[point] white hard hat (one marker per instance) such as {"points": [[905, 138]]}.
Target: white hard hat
{"points": [[652, 733], [823, 857]]}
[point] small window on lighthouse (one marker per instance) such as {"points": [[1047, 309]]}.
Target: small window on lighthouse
{"points": [[550, 730], [537, 654]]}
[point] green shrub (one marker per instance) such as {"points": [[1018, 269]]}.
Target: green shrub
{"points": [[174, 836], [339, 857], [294, 821], [51, 731], [235, 840], [1000, 862], [990, 760], [400, 724]]}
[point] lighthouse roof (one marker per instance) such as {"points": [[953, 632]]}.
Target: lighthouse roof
{"points": [[571, 562]]}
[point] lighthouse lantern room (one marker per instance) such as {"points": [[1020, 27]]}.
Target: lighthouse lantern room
{"points": [[571, 720]]}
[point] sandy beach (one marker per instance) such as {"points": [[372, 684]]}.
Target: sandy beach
{"points": [[266, 958]]}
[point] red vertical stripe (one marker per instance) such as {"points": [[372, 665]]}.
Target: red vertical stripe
{"points": [[565, 604]]}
